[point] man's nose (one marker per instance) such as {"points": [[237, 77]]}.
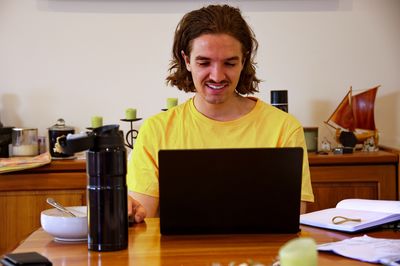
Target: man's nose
{"points": [[217, 73]]}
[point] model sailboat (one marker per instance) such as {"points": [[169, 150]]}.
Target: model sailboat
{"points": [[355, 114]]}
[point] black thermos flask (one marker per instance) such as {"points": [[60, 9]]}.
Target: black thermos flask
{"points": [[107, 191]]}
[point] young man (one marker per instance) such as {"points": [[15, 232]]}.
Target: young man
{"points": [[213, 55]]}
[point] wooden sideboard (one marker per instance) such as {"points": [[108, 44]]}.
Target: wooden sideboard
{"points": [[23, 194], [367, 175]]}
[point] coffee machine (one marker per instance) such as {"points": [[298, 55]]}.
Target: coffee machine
{"points": [[5, 140]]}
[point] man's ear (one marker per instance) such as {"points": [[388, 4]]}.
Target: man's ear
{"points": [[187, 61]]}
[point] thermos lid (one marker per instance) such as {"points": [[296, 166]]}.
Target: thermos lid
{"points": [[104, 137], [60, 126], [108, 136]]}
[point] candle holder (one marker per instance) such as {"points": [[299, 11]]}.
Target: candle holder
{"points": [[132, 133]]}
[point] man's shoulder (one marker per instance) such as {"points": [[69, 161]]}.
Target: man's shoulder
{"points": [[165, 117], [265, 108], [267, 111]]}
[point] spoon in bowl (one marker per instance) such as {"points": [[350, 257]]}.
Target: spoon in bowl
{"points": [[59, 207]]}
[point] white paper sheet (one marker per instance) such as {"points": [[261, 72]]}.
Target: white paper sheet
{"points": [[387, 206], [368, 249]]}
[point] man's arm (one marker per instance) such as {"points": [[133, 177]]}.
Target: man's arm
{"points": [[303, 207]]}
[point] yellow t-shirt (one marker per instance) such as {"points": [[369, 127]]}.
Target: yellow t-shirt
{"points": [[183, 127]]}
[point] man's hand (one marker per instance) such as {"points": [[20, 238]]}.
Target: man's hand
{"points": [[136, 210]]}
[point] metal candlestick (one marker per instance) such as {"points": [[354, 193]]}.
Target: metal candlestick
{"points": [[132, 133]]}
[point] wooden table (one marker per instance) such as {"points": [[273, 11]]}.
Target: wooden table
{"points": [[148, 247]]}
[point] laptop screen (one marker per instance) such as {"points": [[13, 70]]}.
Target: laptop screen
{"points": [[218, 191]]}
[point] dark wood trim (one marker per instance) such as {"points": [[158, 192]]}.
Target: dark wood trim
{"points": [[59, 174], [357, 157]]}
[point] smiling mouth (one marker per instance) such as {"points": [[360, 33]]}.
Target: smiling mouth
{"points": [[216, 86]]}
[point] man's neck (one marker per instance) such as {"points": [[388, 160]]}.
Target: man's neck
{"points": [[227, 111]]}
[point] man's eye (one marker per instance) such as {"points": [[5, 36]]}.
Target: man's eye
{"points": [[230, 64], [203, 63]]}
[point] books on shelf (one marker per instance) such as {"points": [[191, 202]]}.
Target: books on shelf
{"points": [[351, 215]]}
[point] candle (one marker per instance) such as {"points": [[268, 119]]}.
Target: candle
{"points": [[25, 142], [171, 102], [97, 121], [130, 114], [298, 252], [25, 150]]}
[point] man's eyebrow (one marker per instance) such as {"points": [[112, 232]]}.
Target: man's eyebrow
{"points": [[233, 58], [199, 57], [227, 59]]}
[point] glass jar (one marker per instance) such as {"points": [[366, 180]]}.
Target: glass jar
{"points": [[55, 131], [25, 142]]}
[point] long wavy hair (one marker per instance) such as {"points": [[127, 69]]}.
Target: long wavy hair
{"points": [[213, 19]]}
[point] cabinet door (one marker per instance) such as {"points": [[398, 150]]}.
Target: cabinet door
{"points": [[332, 184], [20, 212]]}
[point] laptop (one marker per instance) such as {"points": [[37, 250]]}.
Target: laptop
{"points": [[230, 191]]}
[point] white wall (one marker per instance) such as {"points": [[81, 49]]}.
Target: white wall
{"points": [[79, 58]]}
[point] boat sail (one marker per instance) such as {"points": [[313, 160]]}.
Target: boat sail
{"points": [[355, 114]]}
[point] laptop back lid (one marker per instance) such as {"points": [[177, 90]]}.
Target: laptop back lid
{"points": [[221, 191]]}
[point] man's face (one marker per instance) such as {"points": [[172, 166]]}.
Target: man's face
{"points": [[215, 62]]}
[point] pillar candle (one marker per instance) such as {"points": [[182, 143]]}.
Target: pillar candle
{"points": [[171, 102], [25, 150], [130, 114], [97, 121], [299, 252]]}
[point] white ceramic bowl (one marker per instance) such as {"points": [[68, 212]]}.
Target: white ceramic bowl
{"points": [[63, 226]]}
